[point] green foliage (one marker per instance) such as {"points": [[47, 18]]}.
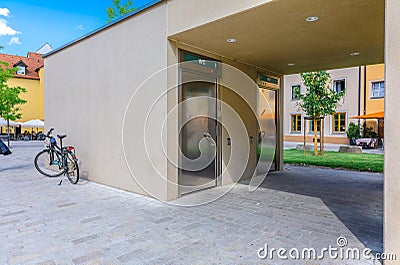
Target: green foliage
{"points": [[359, 162], [353, 132], [118, 10], [368, 132], [10, 101], [320, 100]]}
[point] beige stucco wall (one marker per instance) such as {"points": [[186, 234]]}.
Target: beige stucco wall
{"points": [[88, 86], [186, 14], [349, 105], [392, 125]]}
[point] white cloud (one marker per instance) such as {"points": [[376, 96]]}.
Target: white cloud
{"points": [[5, 12], [80, 27], [7, 30], [14, 40]]}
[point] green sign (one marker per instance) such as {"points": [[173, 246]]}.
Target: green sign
{"points": [[267, 79], [187, 57]]}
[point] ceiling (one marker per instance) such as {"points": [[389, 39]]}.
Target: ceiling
{"points": [[276, 34]]}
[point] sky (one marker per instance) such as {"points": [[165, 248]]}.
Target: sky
{"points": [[26, 25]]}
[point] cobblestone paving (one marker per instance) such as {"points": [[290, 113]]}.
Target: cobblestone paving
{"points": [[43, 223]]}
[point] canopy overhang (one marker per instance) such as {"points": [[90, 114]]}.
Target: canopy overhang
{"points": [[33, 124], [276, 35], [375, 115]]}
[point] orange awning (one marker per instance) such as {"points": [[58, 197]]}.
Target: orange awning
{"points": [[375, 115]]}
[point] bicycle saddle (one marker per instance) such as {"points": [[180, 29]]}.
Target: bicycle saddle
{"points": [[61, 136]]}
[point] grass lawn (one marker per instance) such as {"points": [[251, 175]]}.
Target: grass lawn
{"points": [[360, 162]]}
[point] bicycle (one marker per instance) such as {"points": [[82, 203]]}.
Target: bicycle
{"points": [[55, 160]]}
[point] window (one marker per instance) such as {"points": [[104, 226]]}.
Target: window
{"points": [[21, 70], [296, 90], [339, 122], [311, 127], [296, 123], [378, 89], [339, 85]]}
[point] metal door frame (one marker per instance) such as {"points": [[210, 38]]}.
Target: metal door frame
{"points": [[218, 127]]}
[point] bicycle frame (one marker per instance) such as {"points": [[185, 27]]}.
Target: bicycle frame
{"points": [[60, 152], [56, 160]]}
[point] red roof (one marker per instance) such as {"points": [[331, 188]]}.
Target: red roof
{"points": [[34, 62]]}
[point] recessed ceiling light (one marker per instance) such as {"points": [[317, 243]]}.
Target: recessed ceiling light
{"points": [[231, 40], [354, 53], [312, 19], [291, 64]]}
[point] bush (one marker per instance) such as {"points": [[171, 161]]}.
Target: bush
{"points": [[353, 132], [369, 133]]}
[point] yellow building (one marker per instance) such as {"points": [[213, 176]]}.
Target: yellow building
{"points": [[29, 76], [374, 91]]}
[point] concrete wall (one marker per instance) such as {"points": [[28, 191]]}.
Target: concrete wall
{"points": [[186, 14], [88, 87], [349, 106], [392, 145]]}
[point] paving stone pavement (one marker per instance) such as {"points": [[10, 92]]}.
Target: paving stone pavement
{"points": [[43, 223]]}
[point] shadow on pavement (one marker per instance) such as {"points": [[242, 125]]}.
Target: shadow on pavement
{"points": [[356, 198]]}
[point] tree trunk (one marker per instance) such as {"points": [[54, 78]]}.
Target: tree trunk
{"points": [[322, 136], [304, 135], [8, 132], [315, 137]]}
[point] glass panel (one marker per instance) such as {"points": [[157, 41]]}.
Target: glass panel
{"points": [[339, 85], [312, 126], [295, 92], [339, 122], [378, 89], [298, 123], [342, 122], [293, 117]]}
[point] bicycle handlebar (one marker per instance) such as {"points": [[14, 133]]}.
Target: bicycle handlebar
{"points": [[49, 132]]}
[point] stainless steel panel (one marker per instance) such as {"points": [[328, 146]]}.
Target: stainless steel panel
{"points": [[198, 139], [267, 133]]}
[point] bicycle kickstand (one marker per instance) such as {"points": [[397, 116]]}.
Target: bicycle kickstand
{"points": [[59, 184]]}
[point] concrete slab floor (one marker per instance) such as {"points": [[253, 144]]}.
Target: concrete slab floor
{"points": [[43, 223]]}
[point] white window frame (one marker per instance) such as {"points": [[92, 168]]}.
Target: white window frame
{"points": [[291, 91], [19, 68], [371, 88], [339, 79]]}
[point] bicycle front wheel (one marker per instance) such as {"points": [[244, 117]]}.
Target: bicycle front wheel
{"points": [[73, 168], [49, 165]]}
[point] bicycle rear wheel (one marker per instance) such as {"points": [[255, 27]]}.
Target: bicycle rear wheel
{"points": [[45, 167], [73, 168]]}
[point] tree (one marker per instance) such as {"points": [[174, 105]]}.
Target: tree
{"points": [[118, 10], [10, 101], [320, 100]]}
